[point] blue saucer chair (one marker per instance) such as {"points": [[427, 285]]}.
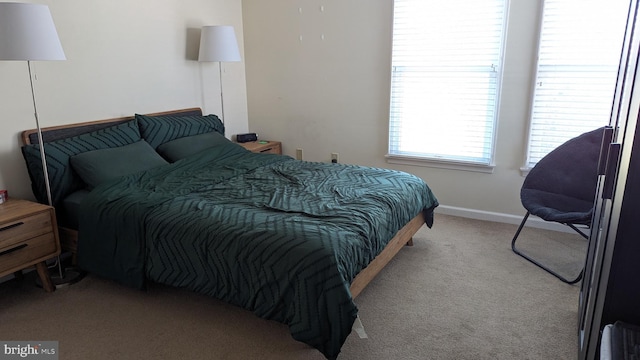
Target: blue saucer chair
{"points": [[561, 188]]}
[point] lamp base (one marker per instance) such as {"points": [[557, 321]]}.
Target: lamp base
{"points": [[70, 274]]}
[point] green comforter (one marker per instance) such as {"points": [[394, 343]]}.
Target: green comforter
{"points": [[280, 237]]}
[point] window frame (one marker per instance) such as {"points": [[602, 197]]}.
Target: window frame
{"points": [[527, 164], [452, 163]]}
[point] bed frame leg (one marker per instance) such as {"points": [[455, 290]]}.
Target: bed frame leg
{"points": [[410, 242], [392, 248]]}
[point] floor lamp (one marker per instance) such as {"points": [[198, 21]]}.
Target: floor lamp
{"points": [[27, 33], [218, 43]]}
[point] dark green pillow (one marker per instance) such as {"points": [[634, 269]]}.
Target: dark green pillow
{"points": [[181, 148], [157, 130], [62, 178], [98, 166]]}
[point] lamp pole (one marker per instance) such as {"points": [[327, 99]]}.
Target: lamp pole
{"points": [[40, 141]]}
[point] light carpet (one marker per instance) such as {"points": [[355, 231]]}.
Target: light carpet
{"points": [[458, 293]]}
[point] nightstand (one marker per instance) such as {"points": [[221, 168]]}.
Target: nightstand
{"points": [[28, 236], [268, 147]]}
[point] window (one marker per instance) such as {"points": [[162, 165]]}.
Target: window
{"points": [[445, 81], [578, 55]]}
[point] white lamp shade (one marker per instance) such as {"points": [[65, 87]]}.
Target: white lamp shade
{"points": [[27, 32], [218, 43]]}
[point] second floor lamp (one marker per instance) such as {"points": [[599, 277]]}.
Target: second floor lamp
{"points": [[28, 33], [218, 43]]}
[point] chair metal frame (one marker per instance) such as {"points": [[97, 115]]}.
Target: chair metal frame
{"points": [[566, 171], [539, 264]]}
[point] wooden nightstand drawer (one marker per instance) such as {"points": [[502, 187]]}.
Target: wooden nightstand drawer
{"points": [[275, 149], [28, 236], [267, 147], [25, 228], [27, 253]]}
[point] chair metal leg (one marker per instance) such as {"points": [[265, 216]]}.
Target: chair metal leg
{"points": [[578, 231], [535, 262]]}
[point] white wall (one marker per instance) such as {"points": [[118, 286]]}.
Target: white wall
{"points": [[123, 57], [332, 94], [322, 95]]}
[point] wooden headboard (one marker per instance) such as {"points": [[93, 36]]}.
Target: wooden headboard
{"points": [[64, 131]]}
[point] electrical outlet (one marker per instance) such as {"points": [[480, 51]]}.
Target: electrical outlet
{"points": [[334, 157], [299, 154]]}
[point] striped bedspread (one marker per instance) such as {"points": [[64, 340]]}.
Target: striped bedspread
{"points": [[280, 237]]}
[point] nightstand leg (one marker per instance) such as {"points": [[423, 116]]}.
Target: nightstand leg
{"points": [[18, 275], [43, 272]]}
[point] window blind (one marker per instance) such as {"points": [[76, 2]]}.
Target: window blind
{"points": [[446, 65], [578, 56]]}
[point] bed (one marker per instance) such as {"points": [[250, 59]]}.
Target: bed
{"points": [[166, 198]]}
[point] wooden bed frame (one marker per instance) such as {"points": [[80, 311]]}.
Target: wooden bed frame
{"points": [[69, 237]]}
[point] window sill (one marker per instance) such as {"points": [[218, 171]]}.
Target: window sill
{"points": [[441, 164]]}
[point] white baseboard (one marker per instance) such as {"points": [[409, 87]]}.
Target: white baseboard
{"points": [[533, 221]]}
